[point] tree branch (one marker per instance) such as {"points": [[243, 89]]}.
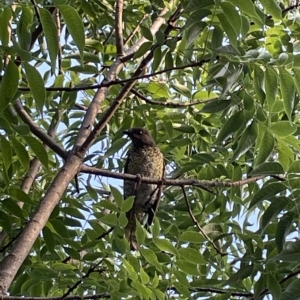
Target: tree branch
{"points": [[44, 137], [118, 28], [73, 297], [172, 182]]}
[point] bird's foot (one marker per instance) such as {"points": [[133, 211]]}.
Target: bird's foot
{"points": [[138, 182]]}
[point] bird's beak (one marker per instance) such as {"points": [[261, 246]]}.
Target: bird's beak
{"points": [[126, 132]]}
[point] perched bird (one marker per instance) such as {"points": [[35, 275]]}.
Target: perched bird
{"points": [[144, 159]]}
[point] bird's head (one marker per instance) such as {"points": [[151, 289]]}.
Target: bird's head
{"points": [[140, 137]]}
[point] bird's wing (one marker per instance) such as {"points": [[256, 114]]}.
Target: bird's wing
{"points": [[152, 210]]}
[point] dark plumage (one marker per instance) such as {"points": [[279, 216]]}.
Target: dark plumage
{"points": [[145, 159]]}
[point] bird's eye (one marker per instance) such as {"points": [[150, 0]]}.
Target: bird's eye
{"points": [[141, 132]]}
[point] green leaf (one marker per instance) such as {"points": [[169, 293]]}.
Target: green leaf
{"points": [[142, 50], [283, 128], [36, 85], [130, 270], [287, 88], [273, 286], [140, 233], [158, 90], [117, 196], [73, 211], [24, 27], [191, 255], [157, 59], [6, 152], [232, 15], [248, 8], [9, 85], [265, 148], [247, 140], [127, 204], [38, 149], [60, 228], [151, 258], [267, 191], [14, 208], [21, 152], [268, 168], [290, 253], [292, 291], [165, 245], [192, 237], [110, 219], [234, 123], [50, 32], [294, 167], [156, 228], [242, 273], [258, 84], [216, 106], [116, 146], [146, 33], [272, 8], [187, 267], [5, 221], [277, 205], [271, 87], [5, 19], [228, 28], [49, 239], [283, 229], [296, 76], [144, 276], [74, 24]]}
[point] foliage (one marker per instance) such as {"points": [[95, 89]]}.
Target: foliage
{"points": [[217, 84]]}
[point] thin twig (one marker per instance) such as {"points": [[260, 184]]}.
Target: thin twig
{"points": [[198, 225], [76, 284], [168, 103], [133, 32], [108, 83]]}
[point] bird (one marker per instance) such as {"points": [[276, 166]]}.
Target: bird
{"points": [[143, 159]]}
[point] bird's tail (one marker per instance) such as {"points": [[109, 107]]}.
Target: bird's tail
{"points": [[133, 216]]}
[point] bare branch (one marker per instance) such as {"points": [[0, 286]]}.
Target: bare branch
{"points": [[172, 182], [118, 28], [215, 290], [73, 297], [36, 130], [198, 225]]}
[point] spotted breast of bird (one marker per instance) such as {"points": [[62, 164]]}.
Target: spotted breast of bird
{"points": [[146, 160]]}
